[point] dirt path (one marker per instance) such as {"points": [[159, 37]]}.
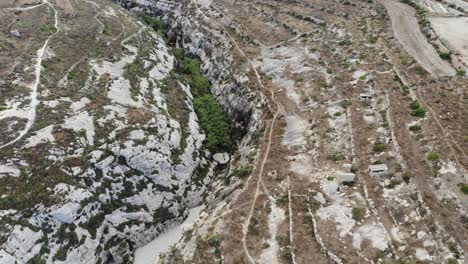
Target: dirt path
{"points": [[96, 7], [246, 224], [406, 30], [28, 7], [34, 86]]}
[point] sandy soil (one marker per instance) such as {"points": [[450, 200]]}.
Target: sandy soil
{"points": [[150, 252]]}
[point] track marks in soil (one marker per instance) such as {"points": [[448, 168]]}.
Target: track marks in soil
{"points": [[35, 84]]}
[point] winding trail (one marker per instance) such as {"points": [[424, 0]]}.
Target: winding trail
{"points": [[28, 7], [35, 84], [279, 110], [267, 151], [96, 6]]}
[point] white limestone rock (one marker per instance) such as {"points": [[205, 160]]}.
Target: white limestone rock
{"points": [[221, 158]]}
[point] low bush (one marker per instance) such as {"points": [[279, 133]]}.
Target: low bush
{"points": [[417, 109], [358, 214], [432, 156], [345, 104], [415, 128], [464, 189], [61, 254], [445, 55], [72, 74], [415, 105], [420, 112], [407, 177], [336, 157], [420, 71], [242, 172], [379, 147]]}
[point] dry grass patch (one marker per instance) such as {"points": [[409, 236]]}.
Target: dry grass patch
{"points": [[139, 116]]}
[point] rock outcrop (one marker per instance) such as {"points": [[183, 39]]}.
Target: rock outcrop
{"points": [[112, 158]]}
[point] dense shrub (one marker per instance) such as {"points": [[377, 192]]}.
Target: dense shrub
{"points": [[179, 54], [417, 109], [420, 112], [190, 67], [200, 85], [211, 115], [153, 22], [415, 105], [214, 121]]}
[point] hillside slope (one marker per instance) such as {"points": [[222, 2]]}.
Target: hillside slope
{"points": [[362, 148], [100, 146]]}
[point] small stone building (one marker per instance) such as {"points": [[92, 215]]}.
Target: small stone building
{"points": [[345, 177], [365, 97], [378, 170]]}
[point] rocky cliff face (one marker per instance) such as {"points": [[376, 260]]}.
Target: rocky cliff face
{"points": [[101, 148], [190, 30]]}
